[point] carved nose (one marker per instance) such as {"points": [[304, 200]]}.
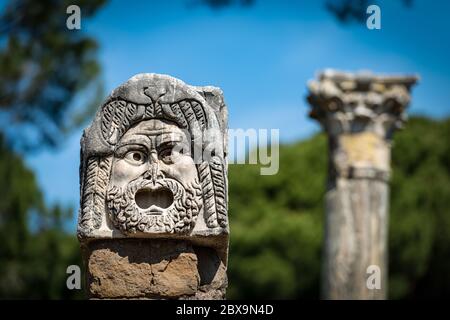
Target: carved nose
{"points": [[153, 173], [153, 158]]}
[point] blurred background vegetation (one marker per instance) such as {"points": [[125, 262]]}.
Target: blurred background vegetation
{"points": [[276, 221]]}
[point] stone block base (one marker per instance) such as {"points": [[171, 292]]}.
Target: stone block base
{"points": [[152, 269]]}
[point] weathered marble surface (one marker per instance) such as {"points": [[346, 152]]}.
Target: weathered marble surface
{"points": [[153, 167], [359, 112]]}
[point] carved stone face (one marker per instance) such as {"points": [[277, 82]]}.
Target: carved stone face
{"points": [[154, 185]]}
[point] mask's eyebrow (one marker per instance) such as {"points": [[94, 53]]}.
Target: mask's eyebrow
{"points": [[152, 131], [168, 137], [141, 141]]}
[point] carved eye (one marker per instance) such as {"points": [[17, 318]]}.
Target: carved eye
{"points": [[135, 157], [166, 155]]}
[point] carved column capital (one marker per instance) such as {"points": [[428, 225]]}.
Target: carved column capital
{"points": [[360, 112], [356, 102]]}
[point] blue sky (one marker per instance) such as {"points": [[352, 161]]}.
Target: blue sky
{"points": [[262, 57]]}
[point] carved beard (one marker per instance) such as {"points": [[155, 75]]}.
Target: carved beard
{"points": [[179, 217]]}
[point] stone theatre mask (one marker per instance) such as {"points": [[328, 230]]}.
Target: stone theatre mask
{"points": [[153, 163], [154, 184]]}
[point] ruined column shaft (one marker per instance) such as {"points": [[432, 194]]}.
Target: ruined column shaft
{"points": [[359, 113], [153, 213], [356, 224]]}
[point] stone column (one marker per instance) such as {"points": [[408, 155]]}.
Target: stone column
{"points": [[153, 180], [359, 113]]}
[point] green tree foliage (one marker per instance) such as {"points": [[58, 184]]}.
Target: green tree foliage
{"points": [[276, 226], [43, 67], [276, 221], [34, 248], [419, 244]]}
